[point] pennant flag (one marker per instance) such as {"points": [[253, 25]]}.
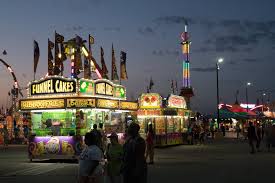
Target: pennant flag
{"points": [[91, 39], [86, 70], [114, 69], [35, 55], [78, 62], [50, 57], [59, 38], [151, 84], [57, 60], [123, 72], [176, 86], [103, 65], [172, 86], [63, 54]]}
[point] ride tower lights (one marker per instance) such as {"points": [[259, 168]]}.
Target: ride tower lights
{"points": [[186, 90]]}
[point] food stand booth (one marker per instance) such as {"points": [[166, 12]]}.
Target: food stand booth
{"points": [[63, 110], [169, 117]]}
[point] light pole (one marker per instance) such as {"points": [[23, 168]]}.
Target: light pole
{"points": [[246, 94], [220, 60]]}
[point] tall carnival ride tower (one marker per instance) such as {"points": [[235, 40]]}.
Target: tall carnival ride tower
{"points": [[186, 90]]}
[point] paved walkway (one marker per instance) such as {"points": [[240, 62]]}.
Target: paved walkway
{"points": [[222, 161]]}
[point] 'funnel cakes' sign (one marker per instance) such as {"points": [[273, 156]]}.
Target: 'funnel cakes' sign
{"points": [[52, 85]]}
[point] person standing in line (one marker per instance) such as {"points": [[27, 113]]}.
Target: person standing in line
{"points": [[252, 137], [268, 135], [26, 134], [114, 154], [134, 167], [90, 169], [104, 140], [259, 136], [150, 144], [98, 136]]}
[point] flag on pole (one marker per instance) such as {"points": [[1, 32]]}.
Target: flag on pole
{"points": [[176, 87], [103, 65], [123, 72], [78, 62], [172, 87], [86, 68], [57, 60], [91, 39], [114, 69], [50, 57], [151, 84], [59, 38], [35, 55]]}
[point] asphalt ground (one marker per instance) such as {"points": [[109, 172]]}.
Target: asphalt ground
{"points": [[219, 161]]}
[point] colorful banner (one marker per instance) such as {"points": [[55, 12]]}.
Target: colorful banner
{"points": [[175, 101], [56, 145], [150, 100], [42, 104]]}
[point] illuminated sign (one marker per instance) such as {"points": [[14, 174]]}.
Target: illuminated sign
{"points": [[150, 100], [53, 86], [42, 104], [128, 105], [249, 106], [105, 103], [103, 88], [87, 87], [149, 112], [175, 101], [80, 103], [119, 92]]}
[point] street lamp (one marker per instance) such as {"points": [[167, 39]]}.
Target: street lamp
{"points": [[246, 94], [220, 60]]}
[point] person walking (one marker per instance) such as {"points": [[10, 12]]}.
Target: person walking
{"points": [[90, 169], [134, 167], [6, 136], [252, 137], [238, 130], [268, 135], [114, 154], [150, 144], [259, 136], [223, 130]]}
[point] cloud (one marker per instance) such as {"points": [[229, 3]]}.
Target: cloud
{"points": [[224, 35], [251, 60], [112, 29], [146, 31], [74, 28], [173, 20], [165, 52], [206, 69]]}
